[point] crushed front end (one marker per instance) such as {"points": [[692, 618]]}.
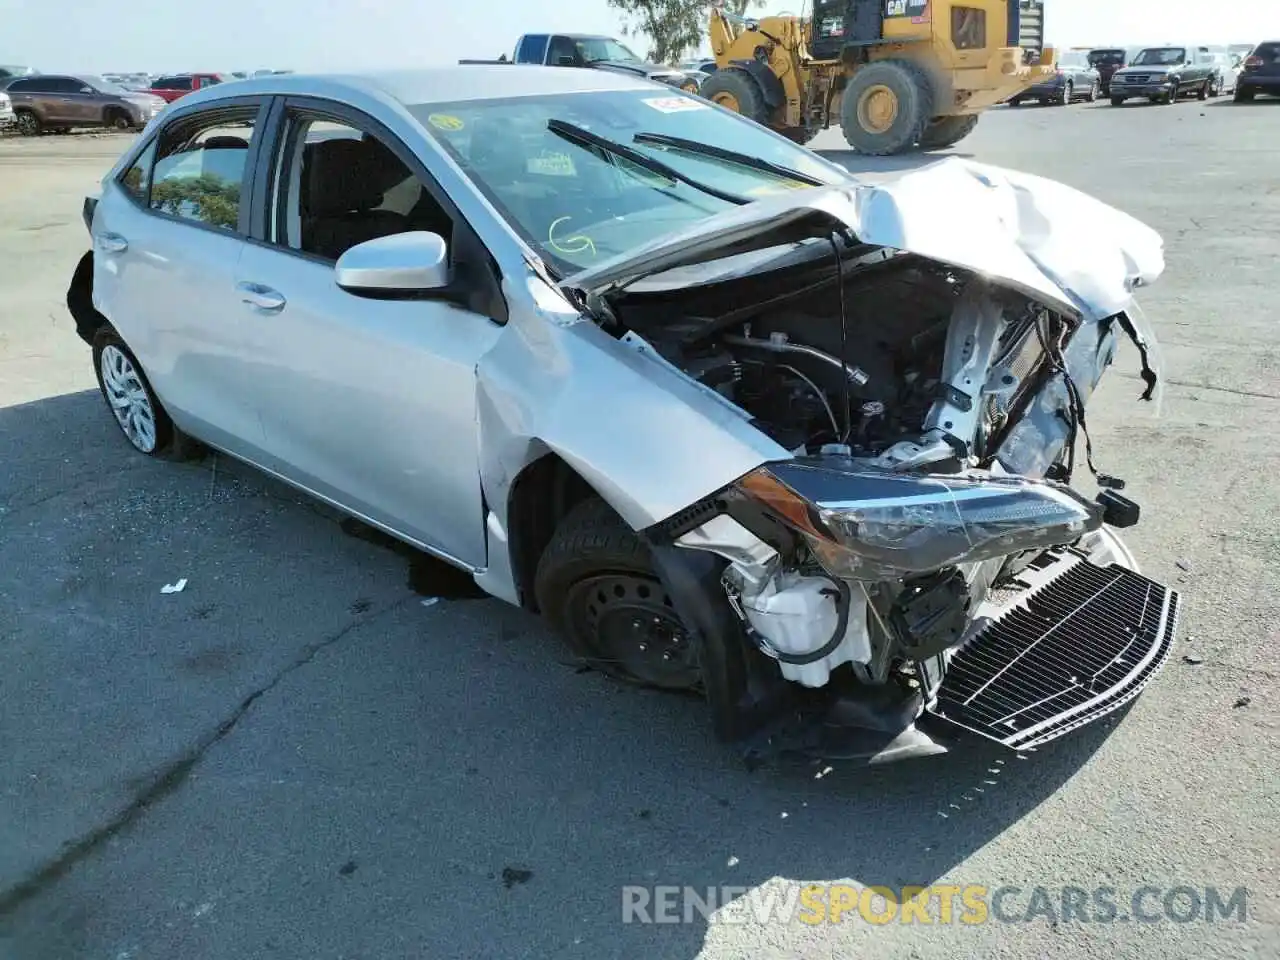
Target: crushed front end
{"points": [[923, 560]]}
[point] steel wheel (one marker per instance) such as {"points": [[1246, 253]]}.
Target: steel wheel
{"points": [[632, 625], [128, 399], [877, 109]]}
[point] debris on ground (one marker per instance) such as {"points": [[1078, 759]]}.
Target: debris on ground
{"points": [[514, 875], [1194, 661], [1242, 702], [1183, 565], [348, 868], [430, 601], [174, 587]]}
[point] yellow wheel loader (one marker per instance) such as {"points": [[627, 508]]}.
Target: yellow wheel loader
{"points": [[897, 75]]}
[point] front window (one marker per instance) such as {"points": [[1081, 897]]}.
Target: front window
{"points": [[103, 85], [1160, 57], [595, 49], [1073, 60], [578, 205]]}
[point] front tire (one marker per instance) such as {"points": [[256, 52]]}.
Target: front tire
{"points": [[1068, 94], [117, 120], [136, 408], [886, 107], [1095, 91], [1203, 92], [29, 124], [1117, 101], [595, 583]]}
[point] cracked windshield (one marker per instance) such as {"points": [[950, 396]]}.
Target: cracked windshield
{"points": [[584, 177]]}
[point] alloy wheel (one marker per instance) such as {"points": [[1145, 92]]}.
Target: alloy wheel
{"points": [[128, 398]]}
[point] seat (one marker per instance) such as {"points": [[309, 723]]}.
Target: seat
{"points": [[344, 181]]}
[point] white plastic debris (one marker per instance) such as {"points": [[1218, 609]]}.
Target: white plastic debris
{"points": [[175, 587], [733, 861], [430, 601]]}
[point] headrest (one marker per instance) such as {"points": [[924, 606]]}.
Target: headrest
{"points": [[346, 176]]}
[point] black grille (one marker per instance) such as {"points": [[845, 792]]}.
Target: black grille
{"points": [[1080, 647]]}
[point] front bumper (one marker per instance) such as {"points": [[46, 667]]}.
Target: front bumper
{"points": [[1163, 88], [1082, 642]]}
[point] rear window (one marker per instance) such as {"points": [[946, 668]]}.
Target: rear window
{"points": [[1105, 57], [1268, 51]]}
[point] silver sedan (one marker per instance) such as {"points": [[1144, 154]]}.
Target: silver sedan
{"points": [[733, 421]]}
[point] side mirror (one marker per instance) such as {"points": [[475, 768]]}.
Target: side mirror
{"points": [[414, 262]]}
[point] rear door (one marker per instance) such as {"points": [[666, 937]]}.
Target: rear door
{"points": [[167, 235], [42, 96]]}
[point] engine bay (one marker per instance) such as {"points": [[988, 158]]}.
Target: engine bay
{"points": [[853, 368]]}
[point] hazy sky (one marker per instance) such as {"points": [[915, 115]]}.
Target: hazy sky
{"points": [[97, 35]]}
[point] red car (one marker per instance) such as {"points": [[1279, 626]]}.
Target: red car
{"points": [[180, 84]]}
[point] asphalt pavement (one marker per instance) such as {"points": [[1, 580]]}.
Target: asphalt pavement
{"points": [[296, 756]]}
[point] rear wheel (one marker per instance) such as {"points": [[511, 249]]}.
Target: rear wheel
{"points": [[596, 585], [946, 131], [1068, 94], [1117, 101], [117, 120], [1205, 90], [1095, 91], [736, 90], [137, 410], [29, 124], [886, 107], [1244, 95]]}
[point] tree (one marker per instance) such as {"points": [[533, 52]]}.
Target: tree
{"points": [[673, 27]]}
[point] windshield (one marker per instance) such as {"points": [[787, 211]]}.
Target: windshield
{"points": [[577, 205], [1160, 56], [1106, 58], [1073, 60], [603, 48]]}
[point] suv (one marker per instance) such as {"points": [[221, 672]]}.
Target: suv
{"points": [[1107, 60], [56, 102], [1261, 72], [597, 52], [179, 85]]}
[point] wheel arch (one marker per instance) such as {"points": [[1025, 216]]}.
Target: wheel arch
{"points": [[80, 301]]}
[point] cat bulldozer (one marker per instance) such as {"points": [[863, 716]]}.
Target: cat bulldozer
{"points": [[898, 75]]}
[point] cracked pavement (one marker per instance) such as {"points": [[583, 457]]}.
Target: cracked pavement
{"points": [[294, 757]]}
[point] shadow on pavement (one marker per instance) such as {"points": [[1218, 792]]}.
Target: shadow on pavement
{"points": [[425, 780]]}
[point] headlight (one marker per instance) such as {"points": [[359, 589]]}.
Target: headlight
{"points": [[863, 523]]}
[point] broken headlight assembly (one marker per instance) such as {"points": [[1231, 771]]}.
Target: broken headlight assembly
{"points": [[865, 523]]}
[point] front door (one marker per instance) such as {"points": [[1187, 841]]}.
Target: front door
{"points": [[368, 402]]}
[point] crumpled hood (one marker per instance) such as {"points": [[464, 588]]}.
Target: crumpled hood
{"points": [[1055, 244]]}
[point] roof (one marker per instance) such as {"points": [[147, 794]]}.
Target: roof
{"points": [[439, 84]]}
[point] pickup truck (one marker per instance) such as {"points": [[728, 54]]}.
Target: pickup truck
{"points": [[595, 52]]}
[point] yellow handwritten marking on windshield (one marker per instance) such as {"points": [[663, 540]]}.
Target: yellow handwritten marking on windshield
{"points": [[580, 241], [446, 121], [782, 186]]}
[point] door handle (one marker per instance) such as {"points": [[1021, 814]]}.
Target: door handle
{"points": [[261, 297], [112, 243]]}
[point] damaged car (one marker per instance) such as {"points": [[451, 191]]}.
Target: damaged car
{"points": [[735, 422]]}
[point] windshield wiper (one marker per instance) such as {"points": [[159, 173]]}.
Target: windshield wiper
{"points": [[576, 134], [731, 156]]}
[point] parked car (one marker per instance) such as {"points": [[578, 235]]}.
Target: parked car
{"points": [[1107, 60], [1162, 74], [598, 346], [1075, 79], [1261, 72], [50, 101], [1226, 72], [175, 86], [706, 65], [593, 52]]}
